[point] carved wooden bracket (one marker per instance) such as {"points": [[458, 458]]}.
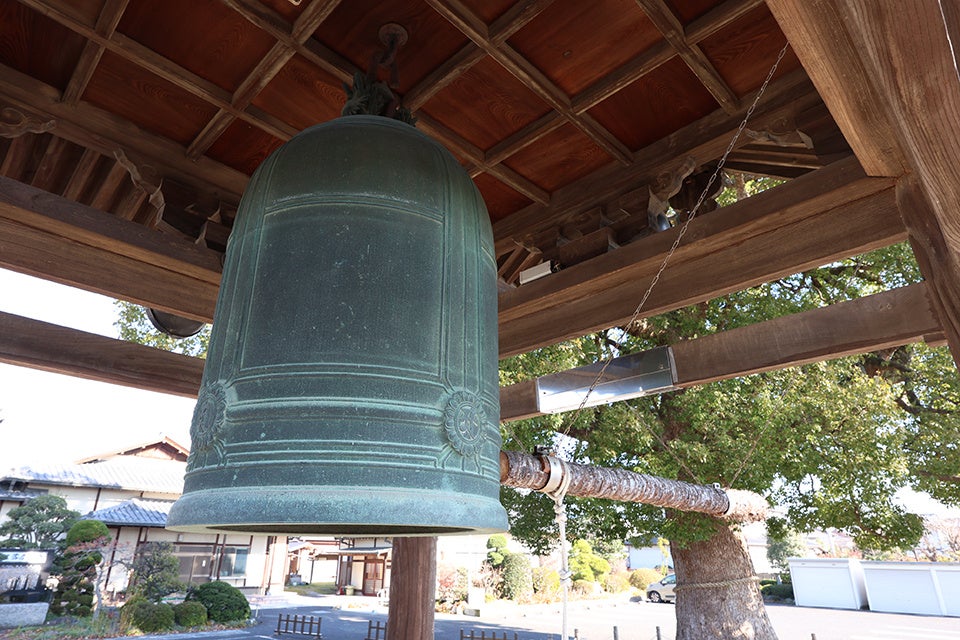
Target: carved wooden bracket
{"points": [[14, 123], [668, 185], [150, 184]]}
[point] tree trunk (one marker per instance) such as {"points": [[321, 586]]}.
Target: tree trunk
{"points": [[718, 597], [413, 579]]}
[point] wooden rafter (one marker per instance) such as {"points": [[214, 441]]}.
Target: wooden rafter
{"points": [[268, 67], [106, 24], [666, 22], [295, 39], [96, 129], [703, 140], [474, 28]]}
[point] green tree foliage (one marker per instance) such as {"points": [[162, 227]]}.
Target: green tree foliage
{"points": [[783, 543], [497, 545], [78, 566], [587, 565], [517, 577], [546, 583], [134, 326], [643, 578], [38, 523], [224, 602], [831, 442], [190, 614], [150, 617], [156, 571]]}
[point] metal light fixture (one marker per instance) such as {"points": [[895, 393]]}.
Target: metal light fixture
{"points": [[631, 376]]}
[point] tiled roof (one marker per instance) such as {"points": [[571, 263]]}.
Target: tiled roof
{"points": [[123, 472], [134, 513]]}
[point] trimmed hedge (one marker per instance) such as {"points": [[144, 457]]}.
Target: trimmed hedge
{"points": [[224, 602], [643, 578], [782, 591], [190, 614], [150, 617]]}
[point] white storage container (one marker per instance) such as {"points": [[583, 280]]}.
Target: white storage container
{"points": [[836, 583]]}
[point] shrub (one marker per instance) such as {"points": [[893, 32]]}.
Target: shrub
{"points": [[517, 577], [149, 617], [584, 587], [77, 565], [616, 583], [126, 612], [643, 578], [451, 583], [224, 602], [155, 571], [546, 582], [86, 531], [497, 545], [781, 591], [585, 564], [190, 614]]}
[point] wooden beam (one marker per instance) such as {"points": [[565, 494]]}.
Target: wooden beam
{"points": [[268, 67], [698, 30], [160, 66], [893, 318], [96, 129], [667, 23], [49, 347], [825, 215], [703, 140], [888, 73], [47, 236], [463, 19], [107, 22], [474, 155]]}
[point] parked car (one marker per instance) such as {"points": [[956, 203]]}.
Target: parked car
{"points": [[663, 591]]}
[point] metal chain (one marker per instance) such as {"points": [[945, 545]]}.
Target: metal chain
{"points": [[676, 243]]}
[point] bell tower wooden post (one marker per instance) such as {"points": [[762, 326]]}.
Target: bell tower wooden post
{"points": [[413, 579]]}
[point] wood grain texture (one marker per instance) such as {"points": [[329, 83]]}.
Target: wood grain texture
{"points": [[412, 589], [48, 236], [893, 318], [668, 24], [842, 213], [105, 132], [704, 139], [39, 345], [889, 75], [825, 41]]}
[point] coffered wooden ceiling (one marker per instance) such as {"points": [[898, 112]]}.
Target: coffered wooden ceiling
{"points": [[129, 129]]}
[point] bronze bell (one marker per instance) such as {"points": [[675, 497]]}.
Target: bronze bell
{"points": [[351, 382]]}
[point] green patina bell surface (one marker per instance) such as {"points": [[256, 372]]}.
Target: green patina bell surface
{"points": [[351, 383]]}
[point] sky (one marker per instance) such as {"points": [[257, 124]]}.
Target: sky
{"points": [[56, 418], [49, 417]]}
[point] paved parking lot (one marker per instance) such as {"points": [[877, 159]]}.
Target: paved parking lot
{"points": [[347, 619]]}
